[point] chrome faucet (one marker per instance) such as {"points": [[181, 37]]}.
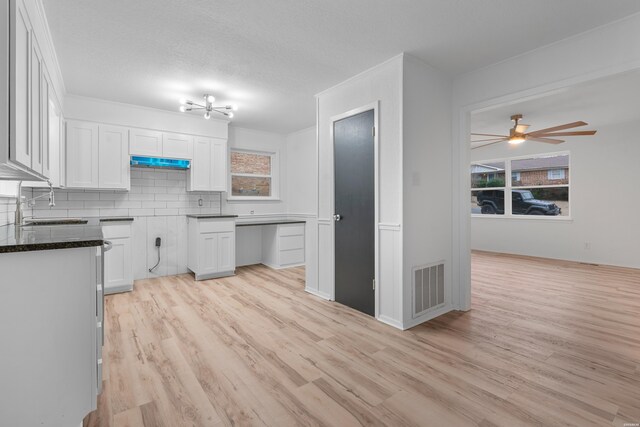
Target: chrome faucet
{"points": [[19, 217]]}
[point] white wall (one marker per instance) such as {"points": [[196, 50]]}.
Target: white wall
{"points": [[301, 172], [603, 204], [251, 139], [426, 162], [604, 51]]}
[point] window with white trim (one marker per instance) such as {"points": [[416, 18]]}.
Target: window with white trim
{"points": [[554, 174], [539, 186], [253, 175]]}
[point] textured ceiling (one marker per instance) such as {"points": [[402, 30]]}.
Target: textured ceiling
{"points": [[271, 57]]}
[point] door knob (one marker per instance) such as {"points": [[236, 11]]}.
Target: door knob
{"points": [[337, 217]]}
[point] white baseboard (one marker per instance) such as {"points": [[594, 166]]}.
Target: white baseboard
{"points": [[318, 293], [391, 322]]}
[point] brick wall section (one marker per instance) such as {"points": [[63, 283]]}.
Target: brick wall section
{"points": [[540, 177], [249, 186], [257, 164]]}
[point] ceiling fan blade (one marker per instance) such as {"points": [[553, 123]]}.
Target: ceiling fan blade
{"points": [[547, 140], [574, 133], [522, 128], [488, 140], [490, 143], [561, 127], [490, 134]]}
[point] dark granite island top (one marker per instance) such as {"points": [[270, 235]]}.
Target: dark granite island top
{"points": [[207, 216], [48, 237]]}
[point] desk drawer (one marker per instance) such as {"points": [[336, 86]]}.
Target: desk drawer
{"points": [[295, 256], [291, 230], [216, 226], [291, 242]]}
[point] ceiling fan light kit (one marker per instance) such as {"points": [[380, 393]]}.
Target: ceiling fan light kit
{"points": [[518, 133], [208, 107]]}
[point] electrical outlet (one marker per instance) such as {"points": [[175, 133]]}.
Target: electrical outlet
{"points": [[200, 202], [587, 246], [251, 212]]}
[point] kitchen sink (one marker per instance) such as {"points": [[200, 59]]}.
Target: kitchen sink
{"points": [[55, 221]]}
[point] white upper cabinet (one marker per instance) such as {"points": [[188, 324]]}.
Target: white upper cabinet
{"points": [[82, 155], [97, 156], [113, 157], [26, 151], [199, 175], [145, 143], [219, 161], [19, 78], [177, 146], [209, 166]]}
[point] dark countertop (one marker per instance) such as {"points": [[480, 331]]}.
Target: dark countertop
{"points": [[117, 219], [203, 216], [270, 222], [47, 237]]}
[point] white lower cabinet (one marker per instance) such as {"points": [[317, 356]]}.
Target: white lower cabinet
{"points": [[212, 247], [50, 324], [118, 265], [283, 245]]}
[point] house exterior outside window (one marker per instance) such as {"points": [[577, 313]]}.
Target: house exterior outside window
{"points": [[253, 175]]}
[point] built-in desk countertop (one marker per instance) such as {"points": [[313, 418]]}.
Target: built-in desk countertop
{"points": [[246, 223]]}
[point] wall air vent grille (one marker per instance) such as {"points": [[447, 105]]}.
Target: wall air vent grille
{"points": [[428, 288]]}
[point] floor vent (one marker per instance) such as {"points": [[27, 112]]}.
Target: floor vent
{"points": [[428, 288]]}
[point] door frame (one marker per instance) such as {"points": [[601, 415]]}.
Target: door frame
{"points": [[375, 106]]}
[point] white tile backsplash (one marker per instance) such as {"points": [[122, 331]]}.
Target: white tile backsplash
{"points": [[154, 192], [158, 201]]}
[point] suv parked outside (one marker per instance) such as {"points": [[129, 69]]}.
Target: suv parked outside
{"points": [[522, 202]]}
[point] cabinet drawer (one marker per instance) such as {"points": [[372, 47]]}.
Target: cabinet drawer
{"points": [[295, 256], [216, 226], [291, 230], [115, 231], [291, 242]]}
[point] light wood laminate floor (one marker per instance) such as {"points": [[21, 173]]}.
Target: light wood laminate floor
{"points": [[546, 343]]}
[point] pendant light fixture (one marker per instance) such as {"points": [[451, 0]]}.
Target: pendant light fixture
{"points": [[208, 107]]}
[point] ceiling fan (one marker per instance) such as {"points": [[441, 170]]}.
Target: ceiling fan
{"points": [[518, 133]]}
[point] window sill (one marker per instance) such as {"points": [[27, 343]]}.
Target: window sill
{"points": [[232, 199], [526, 217]]}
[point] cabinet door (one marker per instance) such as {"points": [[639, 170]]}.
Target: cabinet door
{"points": [[113, 158], [219, 165], [45, 87], [226, 251], [145, 143], [177, 146], [37, 148], [54, 144], [207, 253], [199, 174], [118, 271], [20, 57], [82, 155]]}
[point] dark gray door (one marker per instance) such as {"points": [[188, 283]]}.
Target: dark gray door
{"points": [[355, 204]]}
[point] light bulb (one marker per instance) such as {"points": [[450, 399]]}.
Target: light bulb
{"points": [[516, 140], [183, 108], [183, 101], [234, 107], [211, 99], [207, 115], [230, 115]]}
